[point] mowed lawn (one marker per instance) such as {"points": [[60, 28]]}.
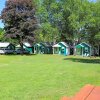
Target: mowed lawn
{"points": [[45, 77]]}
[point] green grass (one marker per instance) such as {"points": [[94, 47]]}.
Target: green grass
{"points": [[45, 77]]}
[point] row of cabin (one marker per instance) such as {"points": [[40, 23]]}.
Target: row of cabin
{"points": [[63, 48], [48, 48], [9, 48], [60, 48]]}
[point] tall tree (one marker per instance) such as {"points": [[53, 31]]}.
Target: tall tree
{"points": [[19, 20], [49, 16]]}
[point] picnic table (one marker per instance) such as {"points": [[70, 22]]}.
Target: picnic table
{"points": [[88, 92]]}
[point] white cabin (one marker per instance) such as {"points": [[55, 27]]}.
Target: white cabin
{"points": [[6, 48]]}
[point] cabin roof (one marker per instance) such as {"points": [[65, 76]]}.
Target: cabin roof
{"points": [[82, 45], [56, 45], [26, 44], [38, 44], [79, 45], [65, 44], [85, 44], [47, 44], [4, 44]]}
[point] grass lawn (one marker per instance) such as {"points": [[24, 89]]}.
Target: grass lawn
{"points": [[45, 77]]}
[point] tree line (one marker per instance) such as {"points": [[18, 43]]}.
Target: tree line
{"points": [[69, 20], [72, 21]]}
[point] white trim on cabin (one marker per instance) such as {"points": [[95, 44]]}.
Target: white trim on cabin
{"points": [[65, 44], [86, 44], [56, 46], [81, 45]]}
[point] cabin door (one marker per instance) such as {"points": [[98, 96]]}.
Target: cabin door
{"points": [[79, 51], [56, 50], [63, 51]]}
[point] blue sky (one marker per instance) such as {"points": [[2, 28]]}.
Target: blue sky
{"points": [[2, 5]]}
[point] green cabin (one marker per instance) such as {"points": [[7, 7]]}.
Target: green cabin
{"points": [[37, 48], [83, 49], [7, 48], [61, 48], [43, 48], [27, 46]]}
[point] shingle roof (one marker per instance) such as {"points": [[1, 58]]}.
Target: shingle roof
{"points": [[65, 44], [56, 45], [27, 44], [4, 44], [82, 44], [86, 44]]}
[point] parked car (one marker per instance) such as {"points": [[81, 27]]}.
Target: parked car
{"points": [[19, 51], [6, 51]]}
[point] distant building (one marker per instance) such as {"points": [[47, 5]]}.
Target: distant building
{"points": [[83, 49], [6, 48], [61, 48], [43, 48], [27, 46]]}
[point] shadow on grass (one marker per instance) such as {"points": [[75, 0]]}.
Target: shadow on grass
{"points": [[84, 60]]}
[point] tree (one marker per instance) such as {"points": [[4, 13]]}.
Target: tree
{"points": [[19, 20], [1, 34], [49, 16], [93, 24]]}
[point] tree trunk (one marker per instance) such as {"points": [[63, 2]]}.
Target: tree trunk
{"points": [[22, 49], [74, 44], [54, 41], [99, 50]]}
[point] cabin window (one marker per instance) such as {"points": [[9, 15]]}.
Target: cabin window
{"points": [[79, 51], [86, 49]]}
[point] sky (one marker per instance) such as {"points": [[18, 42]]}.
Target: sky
{"points": [[2, 5]]}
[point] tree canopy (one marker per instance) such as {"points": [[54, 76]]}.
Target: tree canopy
{"points": [[1, 34], [73, 20], [59, 20], [19, 20]]}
